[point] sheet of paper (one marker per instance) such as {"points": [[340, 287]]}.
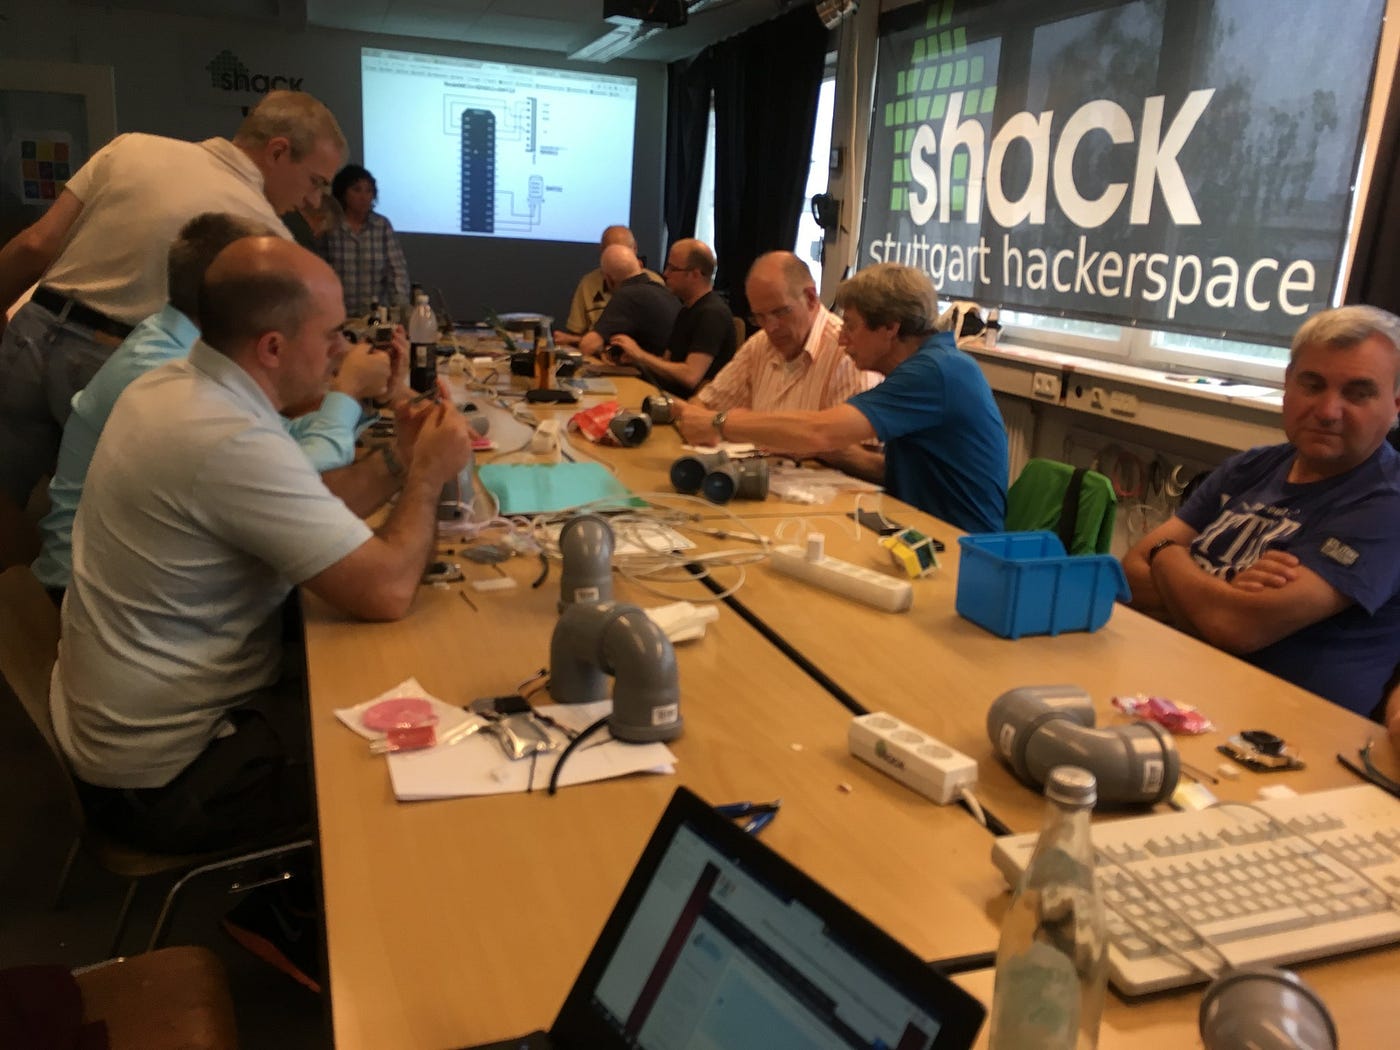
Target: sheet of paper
{"points": [[477, 766]]}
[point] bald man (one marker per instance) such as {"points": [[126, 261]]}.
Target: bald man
{"points": [[639, 307], [794, 362], [199, 515], [593, 291]]}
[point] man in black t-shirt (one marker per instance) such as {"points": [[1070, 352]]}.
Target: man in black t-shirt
{"points": [[703, 337], [639, 308]]}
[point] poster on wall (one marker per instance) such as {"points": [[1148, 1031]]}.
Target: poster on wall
{"points": [[1183, 165]]}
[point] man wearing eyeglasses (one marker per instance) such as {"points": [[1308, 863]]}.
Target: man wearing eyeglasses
{"points": [[794, 363], [945, 445], [702, 339], [100, 252]]}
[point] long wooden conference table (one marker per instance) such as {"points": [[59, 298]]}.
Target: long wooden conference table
{"points": [[458, 921]]}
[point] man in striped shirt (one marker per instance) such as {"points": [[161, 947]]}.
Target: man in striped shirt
{"points": [[794, 362]]}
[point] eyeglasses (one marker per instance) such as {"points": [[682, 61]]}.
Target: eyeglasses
{"points": [[759, 316], [1368, 771]]}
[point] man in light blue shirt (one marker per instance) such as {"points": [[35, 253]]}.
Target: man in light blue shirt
{"points": [[326, 435]]}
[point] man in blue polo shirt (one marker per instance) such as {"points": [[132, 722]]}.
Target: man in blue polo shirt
{"points": [[326, 435], [945, 443], [1288, 555]]}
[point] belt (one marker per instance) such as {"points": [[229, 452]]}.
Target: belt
{"points": [[71, 310]]}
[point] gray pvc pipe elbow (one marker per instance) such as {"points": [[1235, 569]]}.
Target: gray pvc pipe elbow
{"points": [[586, 544], [1036, 728], [1135, 763], [592, 641]]}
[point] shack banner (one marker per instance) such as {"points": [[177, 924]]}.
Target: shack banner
{"points": [[1176, 164]]}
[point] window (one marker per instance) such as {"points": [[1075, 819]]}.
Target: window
{"points": [[1167, 351], [809, 234]]}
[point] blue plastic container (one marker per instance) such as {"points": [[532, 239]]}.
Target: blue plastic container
{"points": [[1018, 583]]}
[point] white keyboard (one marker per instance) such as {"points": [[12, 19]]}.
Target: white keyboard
{"points": [[1262, 893]]}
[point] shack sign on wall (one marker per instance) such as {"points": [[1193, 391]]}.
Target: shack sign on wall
{"points": [[1182, 165]]}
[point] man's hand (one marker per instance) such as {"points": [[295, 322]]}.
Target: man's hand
{"points": [[442, 445], [628, 348], [1273, 569], [398, 389], [364, 372], [694, 423]]}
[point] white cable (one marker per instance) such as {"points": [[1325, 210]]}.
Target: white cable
{"points": [[978, 814]]}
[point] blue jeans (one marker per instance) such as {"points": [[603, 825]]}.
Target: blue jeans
{"points": [[43, 363]]}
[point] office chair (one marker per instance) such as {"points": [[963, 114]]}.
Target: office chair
{"points": [[28, 649], [1077, 505]]}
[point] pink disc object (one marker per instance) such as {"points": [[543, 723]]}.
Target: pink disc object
{"points": [[400, 712]]}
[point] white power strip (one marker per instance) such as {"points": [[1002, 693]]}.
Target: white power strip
{"points": [[849, 581], [915, 759]]}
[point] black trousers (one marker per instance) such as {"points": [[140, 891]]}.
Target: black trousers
{"points": [[248, 787]]}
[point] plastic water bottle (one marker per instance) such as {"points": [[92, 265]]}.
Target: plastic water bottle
{"points": [[422, 345], [1052, 962]]}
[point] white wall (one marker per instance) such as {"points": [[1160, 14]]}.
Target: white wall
{"points": [[163, 87]]}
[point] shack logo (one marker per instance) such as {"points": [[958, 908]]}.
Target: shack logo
{"points": [[228, 73]]}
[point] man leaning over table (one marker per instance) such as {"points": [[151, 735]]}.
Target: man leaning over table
{"points": [[1289, 555], [98, 254], [591, 296], [794, 361], [326, 435], [639, 307], [945, 445], [199, 515]]}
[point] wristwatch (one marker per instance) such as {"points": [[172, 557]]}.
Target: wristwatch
{"points": [[1158, 547], [718, 423]]}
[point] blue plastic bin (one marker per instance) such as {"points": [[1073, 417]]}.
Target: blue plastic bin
{"points": [[1018, 583]]}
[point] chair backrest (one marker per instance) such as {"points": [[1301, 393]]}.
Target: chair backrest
{"points": [[28, 649], [1079, 506], [741, 332]]}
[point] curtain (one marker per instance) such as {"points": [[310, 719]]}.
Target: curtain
{"points": [[766, 83], [688, 116], [1375, 273]]}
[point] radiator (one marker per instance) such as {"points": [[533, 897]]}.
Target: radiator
{"points": [[1019, 418]]}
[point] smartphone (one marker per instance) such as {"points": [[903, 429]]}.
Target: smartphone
{"points": [[876, 522], [883, 526]]}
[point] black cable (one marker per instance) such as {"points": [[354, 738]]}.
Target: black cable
{"points": [[554, 777]]}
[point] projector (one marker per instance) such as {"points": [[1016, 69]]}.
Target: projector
{"points": [[661, 14]]}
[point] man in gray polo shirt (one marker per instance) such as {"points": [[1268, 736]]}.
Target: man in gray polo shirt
{"points": [[199, 515]]}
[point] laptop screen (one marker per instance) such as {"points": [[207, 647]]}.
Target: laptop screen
{"points": [[714, 956]]}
